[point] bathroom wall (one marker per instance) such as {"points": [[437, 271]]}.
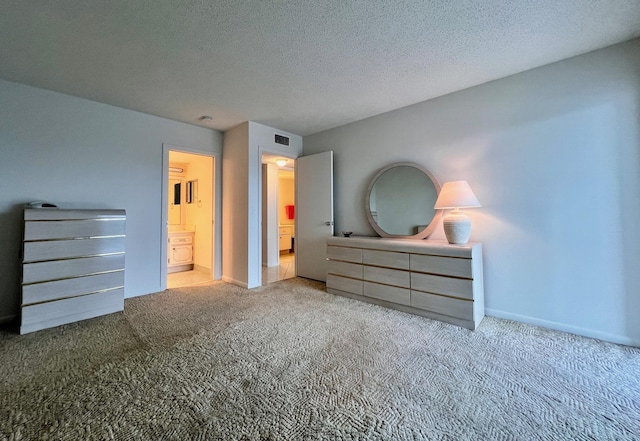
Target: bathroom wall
{"points": [[286, 196], [199, 214], [270, 254]]}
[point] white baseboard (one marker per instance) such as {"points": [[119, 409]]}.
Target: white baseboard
{"points": [[585, 332], [234, 281], [131, 296]]}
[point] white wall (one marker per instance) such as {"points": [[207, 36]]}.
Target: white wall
{"points": [[235, 206], [81, 154], [242, 195], [553, 155], [270, 190]]}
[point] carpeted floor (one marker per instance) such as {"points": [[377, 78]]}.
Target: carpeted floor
{"points": [[289, 362]]}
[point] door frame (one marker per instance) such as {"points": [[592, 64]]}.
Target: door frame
{"points": [[216, 258], [262, 150]]}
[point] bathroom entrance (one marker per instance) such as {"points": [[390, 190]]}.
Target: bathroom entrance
{"points": [[278, 218], [190, 204]]}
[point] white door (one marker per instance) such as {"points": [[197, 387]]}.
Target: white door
{"points": [[314, 206]]}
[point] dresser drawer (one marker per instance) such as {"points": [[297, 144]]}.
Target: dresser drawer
{"points": [[447, 266], [352, 286], [401, 296], [442, 285], [62, 249], [345, 254], [180, 240], [76, 286], [388, 276], [389, 259], [68, 268], [55, 229], [59, 312], [345, 269], [443, 305], [58, 309]]}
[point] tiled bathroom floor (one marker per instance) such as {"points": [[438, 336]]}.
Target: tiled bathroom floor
{"points": [[286, 269], [186, 278]]}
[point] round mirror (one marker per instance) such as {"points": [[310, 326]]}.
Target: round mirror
{"points": [[400, 201]]}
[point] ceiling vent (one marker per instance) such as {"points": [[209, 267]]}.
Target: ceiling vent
{"points": [[282, 140]]}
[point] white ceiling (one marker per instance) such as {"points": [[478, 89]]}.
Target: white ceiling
{"points": [[300, 65]]}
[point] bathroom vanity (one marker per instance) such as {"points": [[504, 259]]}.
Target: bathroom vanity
{"points": [[286, 237], [180, 251]]}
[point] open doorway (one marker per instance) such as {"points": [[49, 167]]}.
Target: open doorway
{"points": [[278, 218], [190, 211]]}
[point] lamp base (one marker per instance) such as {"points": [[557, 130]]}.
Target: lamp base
{"points": [[457, 227]]}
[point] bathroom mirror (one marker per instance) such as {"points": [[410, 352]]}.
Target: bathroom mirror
{"points": [[192, 191], [176, 193], [175, 198], [400, 200]]}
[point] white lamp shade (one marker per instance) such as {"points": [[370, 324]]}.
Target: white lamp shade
{"points": [[456, 194]]}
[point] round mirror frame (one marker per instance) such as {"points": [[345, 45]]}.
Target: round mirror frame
{"points": [[421, 234]]}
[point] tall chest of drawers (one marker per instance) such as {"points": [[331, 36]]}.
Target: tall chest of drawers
{"points": [[72, 266], [428, 278]]}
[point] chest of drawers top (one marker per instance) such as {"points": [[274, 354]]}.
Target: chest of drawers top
{"points": [[406, 254]]}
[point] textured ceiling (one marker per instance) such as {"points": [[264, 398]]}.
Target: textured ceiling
{"points": [[300, 65]]}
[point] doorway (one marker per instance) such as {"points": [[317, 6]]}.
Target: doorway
{"points": [[190, 206], [278, 218]]}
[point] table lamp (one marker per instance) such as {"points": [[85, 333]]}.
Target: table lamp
{"points": [[456, 195]]}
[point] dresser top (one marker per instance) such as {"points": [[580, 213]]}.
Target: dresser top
{"points": [[433, 247], [41, 214]]}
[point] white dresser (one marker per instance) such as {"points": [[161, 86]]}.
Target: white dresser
{"points": [[428, 278], [72, 266]]}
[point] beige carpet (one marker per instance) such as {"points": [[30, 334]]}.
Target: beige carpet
{"points": [[290, 362]]}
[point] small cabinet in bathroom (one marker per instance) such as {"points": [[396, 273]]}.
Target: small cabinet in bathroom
{"points": [[180, 252], [286, 237]]}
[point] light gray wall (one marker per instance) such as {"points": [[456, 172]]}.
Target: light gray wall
{"points": [[242, 198], [235, 205], [81, 154], [553, 155]]}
